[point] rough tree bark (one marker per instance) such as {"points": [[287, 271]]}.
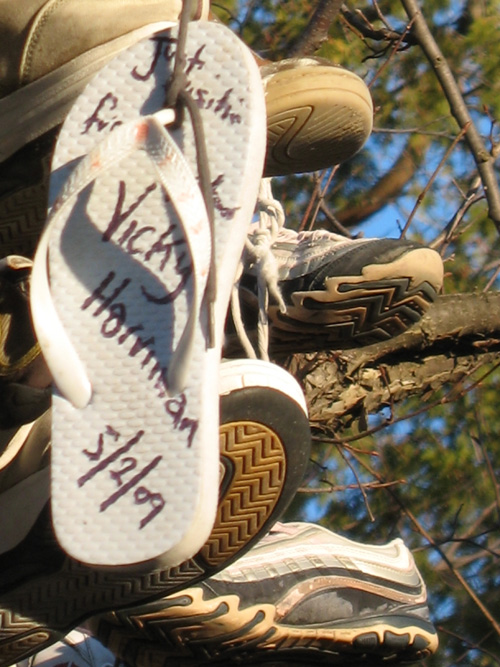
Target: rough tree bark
{"points": [[316, 31], [460, 333]]}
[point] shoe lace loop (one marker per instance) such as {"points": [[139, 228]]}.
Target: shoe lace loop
{"points": [[258, 253], [178, 98]]}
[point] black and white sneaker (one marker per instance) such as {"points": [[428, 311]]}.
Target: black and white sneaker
{"points": [[343, 292], [303, 595], [264, 449]]}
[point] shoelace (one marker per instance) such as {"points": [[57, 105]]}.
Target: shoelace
{"points": [[258, 250], [177, 97]]}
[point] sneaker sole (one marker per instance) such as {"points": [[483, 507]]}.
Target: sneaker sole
{"points": [[358, 310], [187, 629], [316, 117], [264, 438]]}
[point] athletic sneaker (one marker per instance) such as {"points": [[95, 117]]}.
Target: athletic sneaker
{"points": [[318, 115], [303, 595], [264, 443], [341, 291]]}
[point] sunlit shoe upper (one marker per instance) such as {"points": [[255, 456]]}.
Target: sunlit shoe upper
{"points": [[303, 595], [346, 291], [303, 551]]}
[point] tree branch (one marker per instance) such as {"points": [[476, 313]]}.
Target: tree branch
{"points": [[482, 157], [390, 185], [457, 335], [453, 569], [360, 23], [316, 31]]}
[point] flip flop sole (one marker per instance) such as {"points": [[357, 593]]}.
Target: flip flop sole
{"points": [[156, 500]]}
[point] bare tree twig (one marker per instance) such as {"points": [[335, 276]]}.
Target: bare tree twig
{"points": [[432, 178], [491, 472], [446, 236], [316, 31], [372, 486], [395, 49], [360, 485], [471, 645], [337, 226], [358, 21], [389, 185], [418, 526], [484, 160], [472, 528], [492, 279]]}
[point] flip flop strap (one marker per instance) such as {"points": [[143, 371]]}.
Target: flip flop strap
{"points": [[179, 183]]}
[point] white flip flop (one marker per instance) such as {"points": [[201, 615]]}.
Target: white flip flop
{"points": [[123, 324]]}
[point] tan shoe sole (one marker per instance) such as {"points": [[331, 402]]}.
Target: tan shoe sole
{"points": [[317, 116]]}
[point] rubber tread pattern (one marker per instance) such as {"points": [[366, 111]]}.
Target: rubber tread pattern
{"points": [[44, 593], [384, 309], [192, 631], [296, 133], [258, 462], [24, 188]]}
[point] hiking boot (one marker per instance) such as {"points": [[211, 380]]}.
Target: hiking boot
{"points": [[264, 449], [303, 595], [318, 115], [338, 291], [49, 50]]}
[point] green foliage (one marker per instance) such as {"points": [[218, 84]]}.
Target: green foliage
{"points": [[442, 465], [441, 468], [412, 114]]}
